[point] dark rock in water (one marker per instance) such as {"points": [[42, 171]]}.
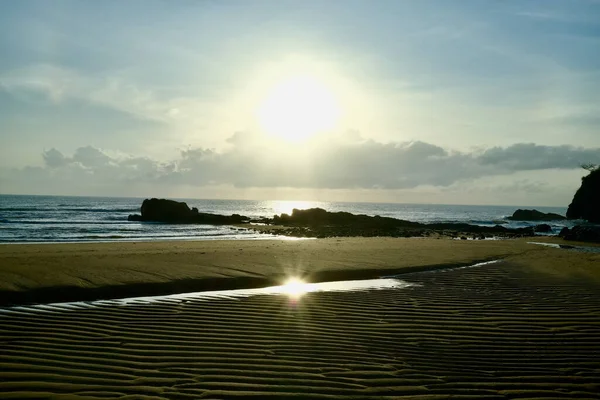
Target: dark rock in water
{"points": [[316, 222], [134, 217], [564, 232], [581, 233], [467, 228], [164, 210], [586, 202], [321, 217], [175, 212], [542, 228], [535, 215]]}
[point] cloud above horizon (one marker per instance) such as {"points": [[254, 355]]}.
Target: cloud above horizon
{"points": [[340, 164]]}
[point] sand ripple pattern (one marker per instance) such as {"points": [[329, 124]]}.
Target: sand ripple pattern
{"points": [[485, 333]]}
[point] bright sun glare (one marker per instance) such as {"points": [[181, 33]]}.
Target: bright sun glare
{"points": [[295, 288], [297, 108], [287, 206]]}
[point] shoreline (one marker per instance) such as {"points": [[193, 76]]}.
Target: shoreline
{"points": [[175, 239], [69, 294], [48, 273]]}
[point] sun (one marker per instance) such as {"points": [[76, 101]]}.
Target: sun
{"points": [[297, 108]]}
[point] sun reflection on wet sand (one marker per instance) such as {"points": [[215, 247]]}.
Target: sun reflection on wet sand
{"points": [[295, 288]]}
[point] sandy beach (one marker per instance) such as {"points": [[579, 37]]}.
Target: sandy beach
{"points": [[525, 327], [88, 271]]}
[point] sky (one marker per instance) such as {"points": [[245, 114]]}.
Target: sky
{"points": [[462, 102]]}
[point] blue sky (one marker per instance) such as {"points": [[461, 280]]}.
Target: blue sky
{"points": [[158, 80]]}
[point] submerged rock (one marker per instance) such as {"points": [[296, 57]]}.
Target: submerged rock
{"points": [[176, 212], [586, 202], [535, 215]]}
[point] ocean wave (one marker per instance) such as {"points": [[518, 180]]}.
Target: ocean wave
{"points": [[3, 209], [70, 209], [62, 222], [103, 237], [129, 210], [486, 222], [115, 218]]}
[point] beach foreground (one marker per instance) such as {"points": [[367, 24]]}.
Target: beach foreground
{"points": [[494, 332], [527, 327], [87, 271]]}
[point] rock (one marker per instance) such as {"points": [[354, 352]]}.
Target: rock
{"points": [[163, 210], [581, 233], [542, 228], [535, 215], [321, 217], [586, 202], [319, 222], [175, 212], [564, 232]]}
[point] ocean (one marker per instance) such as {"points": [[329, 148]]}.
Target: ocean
{"points": [[40, 219]]}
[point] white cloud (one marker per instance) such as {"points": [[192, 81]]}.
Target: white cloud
{"points": [[341, 165], [115, 91]]}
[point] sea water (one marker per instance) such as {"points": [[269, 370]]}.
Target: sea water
{"points": [[99, 219]]}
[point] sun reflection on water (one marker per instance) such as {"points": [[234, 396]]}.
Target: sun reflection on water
{"points": [[295, 288], [286, 206]]}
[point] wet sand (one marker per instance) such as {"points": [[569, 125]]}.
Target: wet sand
{"points": [[524, 328], [68, 272], [502, 331]]}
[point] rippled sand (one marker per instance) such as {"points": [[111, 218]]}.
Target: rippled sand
{"points": [[504, 331]]}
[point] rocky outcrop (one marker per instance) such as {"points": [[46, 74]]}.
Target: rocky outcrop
{"points": [[535, 215], [321, 217], [581, 233], [542, 228], [175, 212], [316, 222], [164, 210], [586, 202]]}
